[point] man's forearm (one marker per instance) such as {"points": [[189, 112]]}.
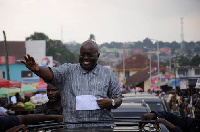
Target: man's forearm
{"points": [[45, 73], [35, 118]]}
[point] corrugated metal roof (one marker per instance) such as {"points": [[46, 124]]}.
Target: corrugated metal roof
{"points": [[15, 48], [136, 62]]}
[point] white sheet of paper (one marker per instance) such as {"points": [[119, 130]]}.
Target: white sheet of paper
{"points": [[86, 102]]}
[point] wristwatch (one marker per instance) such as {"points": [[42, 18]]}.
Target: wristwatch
{"points": [[113, 102]]}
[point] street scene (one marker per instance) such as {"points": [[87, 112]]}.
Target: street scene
{"points": [[60, 72]]}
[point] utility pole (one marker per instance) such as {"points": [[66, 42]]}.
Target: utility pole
{"points": [[6, 56], [157, 52], [124, 78], [158, 57], [182, 36], [170, 61]]}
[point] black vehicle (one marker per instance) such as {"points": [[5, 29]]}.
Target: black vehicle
{"points": [[126, 118], [155, 103]]}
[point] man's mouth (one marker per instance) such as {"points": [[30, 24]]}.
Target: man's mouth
{"points": [[86, 62]]}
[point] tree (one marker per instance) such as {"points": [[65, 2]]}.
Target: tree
{"points": [[195, 60], [60, 52], [183, 61], [147, 42], [38, 36], [92, 37]]}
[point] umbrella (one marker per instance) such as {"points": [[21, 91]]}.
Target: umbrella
{"points": [[4, 83], [154, 88], [15, 84], [40, 86], [12, 91], [4, 92], [174, 82], [9, 84], [139, 89], [28, 89]]}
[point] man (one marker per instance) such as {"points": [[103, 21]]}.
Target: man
{"points": [[79, 84], [19, 98], [176, 123], [53, 106], [8, 122]]}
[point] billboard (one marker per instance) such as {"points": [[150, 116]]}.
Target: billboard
{"points": [[11, 60], [183, 84], [46, 61], [36, 49]]}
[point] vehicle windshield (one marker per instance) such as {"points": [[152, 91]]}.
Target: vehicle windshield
{"points": [[156, 106]]}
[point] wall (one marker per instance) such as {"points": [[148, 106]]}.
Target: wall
{"points": [[15, 71]]}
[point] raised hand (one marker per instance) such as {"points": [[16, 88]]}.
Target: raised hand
{"points": [[169, 125], [30, 63], [148, 116]]}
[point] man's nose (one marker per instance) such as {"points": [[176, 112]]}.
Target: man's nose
{"points": [[86, 56]]}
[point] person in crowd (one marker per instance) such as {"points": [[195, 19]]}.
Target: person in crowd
{"points": [[188, 108], [174, 103], [8, 122], [88, 90], [53, 106], [19, 98], [181, 106], [176, 123], [3, 111], [135, 90]]}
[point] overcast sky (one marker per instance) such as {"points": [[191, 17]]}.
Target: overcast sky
{"points": [[108, 20]]}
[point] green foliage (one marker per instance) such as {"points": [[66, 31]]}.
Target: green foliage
{"points": [[60, 52], [92, 37], [112, 45], [68, 53], [183, 61], [147, 43], [195, 60], [75, 48], [38, 36]]}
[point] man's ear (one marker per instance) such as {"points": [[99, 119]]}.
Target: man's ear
{"points": [[98, 55]]}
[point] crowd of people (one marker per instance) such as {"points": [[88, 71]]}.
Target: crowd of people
{"points": [[185, 105]]}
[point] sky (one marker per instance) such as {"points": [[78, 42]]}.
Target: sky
{"points": [[108, 20]]}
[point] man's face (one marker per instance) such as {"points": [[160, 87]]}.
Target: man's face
{"points": [[88, 56], [197, 109], [53, 94]]}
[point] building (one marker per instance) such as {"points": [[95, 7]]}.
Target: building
{"points": [[132, 65], [190, 74], [137, 73], [16, 51]]}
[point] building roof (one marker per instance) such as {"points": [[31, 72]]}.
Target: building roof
{"points": [[139, 77], [15, 48], [136, 62]]}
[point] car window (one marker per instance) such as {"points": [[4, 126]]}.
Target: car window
{"points": [[156, 106]]}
